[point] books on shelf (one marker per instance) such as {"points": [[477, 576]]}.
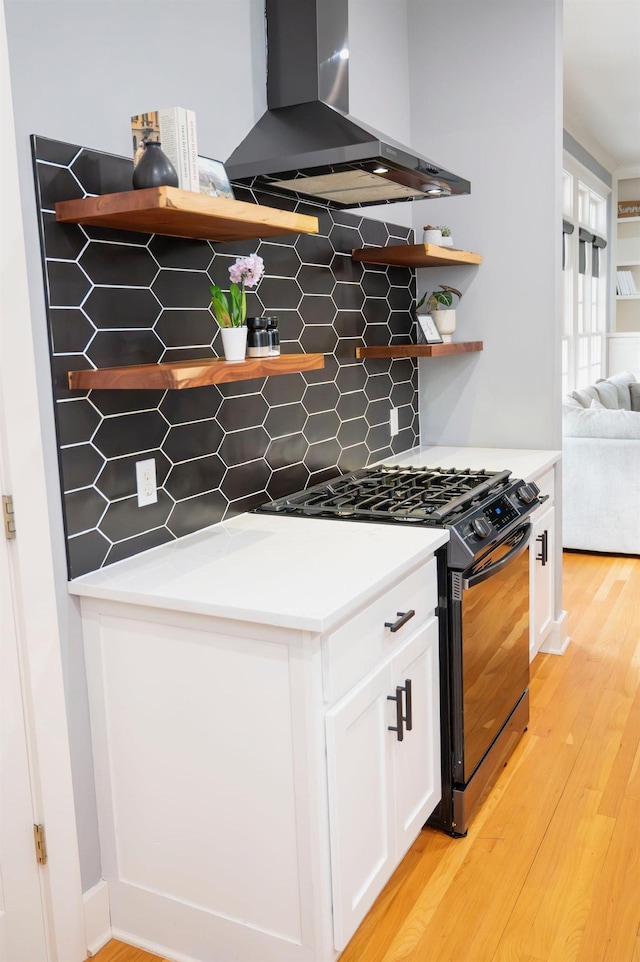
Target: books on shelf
{"points": [[625, 283], [175, 129]]}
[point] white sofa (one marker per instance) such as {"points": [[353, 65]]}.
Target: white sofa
{"points": [[601, 466]]}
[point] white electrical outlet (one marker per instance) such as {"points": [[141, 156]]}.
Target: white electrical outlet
{"points": [[393, 422], [146, 482]]}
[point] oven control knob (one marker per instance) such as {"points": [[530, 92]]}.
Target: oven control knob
{"points": [[481, 527], [527, 493]]}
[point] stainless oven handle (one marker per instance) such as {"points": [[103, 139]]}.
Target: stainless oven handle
{"points": [[521, 546]]}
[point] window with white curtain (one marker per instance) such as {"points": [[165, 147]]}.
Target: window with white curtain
{"points": [[585, 238]]}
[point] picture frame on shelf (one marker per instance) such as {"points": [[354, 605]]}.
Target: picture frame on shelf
{"points": [[427, 331], [628, 208], [213, 178]]}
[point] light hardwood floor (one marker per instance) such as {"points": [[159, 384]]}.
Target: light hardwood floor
{"points": [[550, 869]]}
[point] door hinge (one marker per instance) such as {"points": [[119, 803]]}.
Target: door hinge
{"points": [[8, 516], [41, 845]]}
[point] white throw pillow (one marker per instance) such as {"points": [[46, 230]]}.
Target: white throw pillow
{"points": [[622, 383], [597, 405], [609, 397], [586, 395]]}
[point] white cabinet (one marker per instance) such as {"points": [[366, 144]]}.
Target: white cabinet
{"points": [[547, 622], [383, 757], [417, 757], [542, 569], [252, 802], [623, 352]]}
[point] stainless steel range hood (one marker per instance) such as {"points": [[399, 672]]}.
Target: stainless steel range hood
{"points": [[306, 143]]}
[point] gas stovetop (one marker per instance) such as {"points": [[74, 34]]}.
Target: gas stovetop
{"points": [[478, 506]]}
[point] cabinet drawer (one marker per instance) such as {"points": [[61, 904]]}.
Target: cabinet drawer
{"points": [[546, 483], [359, 644]]}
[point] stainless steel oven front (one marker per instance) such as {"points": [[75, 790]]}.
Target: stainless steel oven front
{"points": [[487, 673]]}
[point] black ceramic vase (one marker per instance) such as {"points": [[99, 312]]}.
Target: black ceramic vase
{"points": [[154, 169]]}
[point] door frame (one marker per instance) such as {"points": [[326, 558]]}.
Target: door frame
{"points": [[32, 566], [22, 916]]}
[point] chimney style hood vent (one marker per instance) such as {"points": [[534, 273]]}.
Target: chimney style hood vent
{"points": [[306, 143]]}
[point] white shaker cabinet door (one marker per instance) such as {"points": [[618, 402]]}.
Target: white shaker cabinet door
{"points": [[382, 788], [417, 756], [359, 760]]}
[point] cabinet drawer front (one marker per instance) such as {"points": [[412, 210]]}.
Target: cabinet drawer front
{"points": [[357, 646], [546, 484]]}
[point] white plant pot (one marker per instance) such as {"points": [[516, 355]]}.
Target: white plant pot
{"points": [[234, 343], [432, 237], [447, 241], [445, 321]]}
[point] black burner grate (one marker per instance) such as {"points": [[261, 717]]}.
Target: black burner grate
{"points": [[425, 495]]}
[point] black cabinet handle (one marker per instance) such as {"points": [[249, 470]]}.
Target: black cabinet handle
{"points": [[403, 618], [543, 538], [403, 722], [398, 727], [408, 718]]}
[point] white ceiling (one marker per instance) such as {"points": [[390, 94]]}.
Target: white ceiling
{"points": [[602, 78]]}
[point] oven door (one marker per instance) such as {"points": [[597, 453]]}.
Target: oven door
{"points": [[490, 648]]}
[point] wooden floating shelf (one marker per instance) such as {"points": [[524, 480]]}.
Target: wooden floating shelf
{"points": [[177, 375], [420, 350], [415, 255], [183, 213]]}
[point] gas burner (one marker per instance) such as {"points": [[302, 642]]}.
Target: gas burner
{"points": [[430, 495]]}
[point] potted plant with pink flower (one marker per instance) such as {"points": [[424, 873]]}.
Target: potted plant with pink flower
{"points": [[231, 311]]}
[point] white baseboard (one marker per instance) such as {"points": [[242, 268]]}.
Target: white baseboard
{"points": [[152, 947], [557, 641], [97, 917]]}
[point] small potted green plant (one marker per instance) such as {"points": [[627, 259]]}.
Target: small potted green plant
{"points": [[447, 239], [439, 306], [432, 235]]}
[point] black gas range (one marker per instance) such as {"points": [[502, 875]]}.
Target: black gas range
{"points": [[478, 507], [483, 605]]}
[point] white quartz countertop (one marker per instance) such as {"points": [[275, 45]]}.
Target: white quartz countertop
{"points": [[302, 573], [525, 463]]}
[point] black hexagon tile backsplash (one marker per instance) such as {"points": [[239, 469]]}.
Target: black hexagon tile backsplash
{"points": [[118, 297]]}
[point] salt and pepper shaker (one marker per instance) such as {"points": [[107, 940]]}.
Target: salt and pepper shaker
{"points": [[257, 337], [274, 336]]}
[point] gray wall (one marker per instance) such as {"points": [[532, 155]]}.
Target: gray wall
{"points": [[486, 94], [79, 69]]}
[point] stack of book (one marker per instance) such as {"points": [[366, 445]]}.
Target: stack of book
{"points": [[625, 283], [175, 129]]}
